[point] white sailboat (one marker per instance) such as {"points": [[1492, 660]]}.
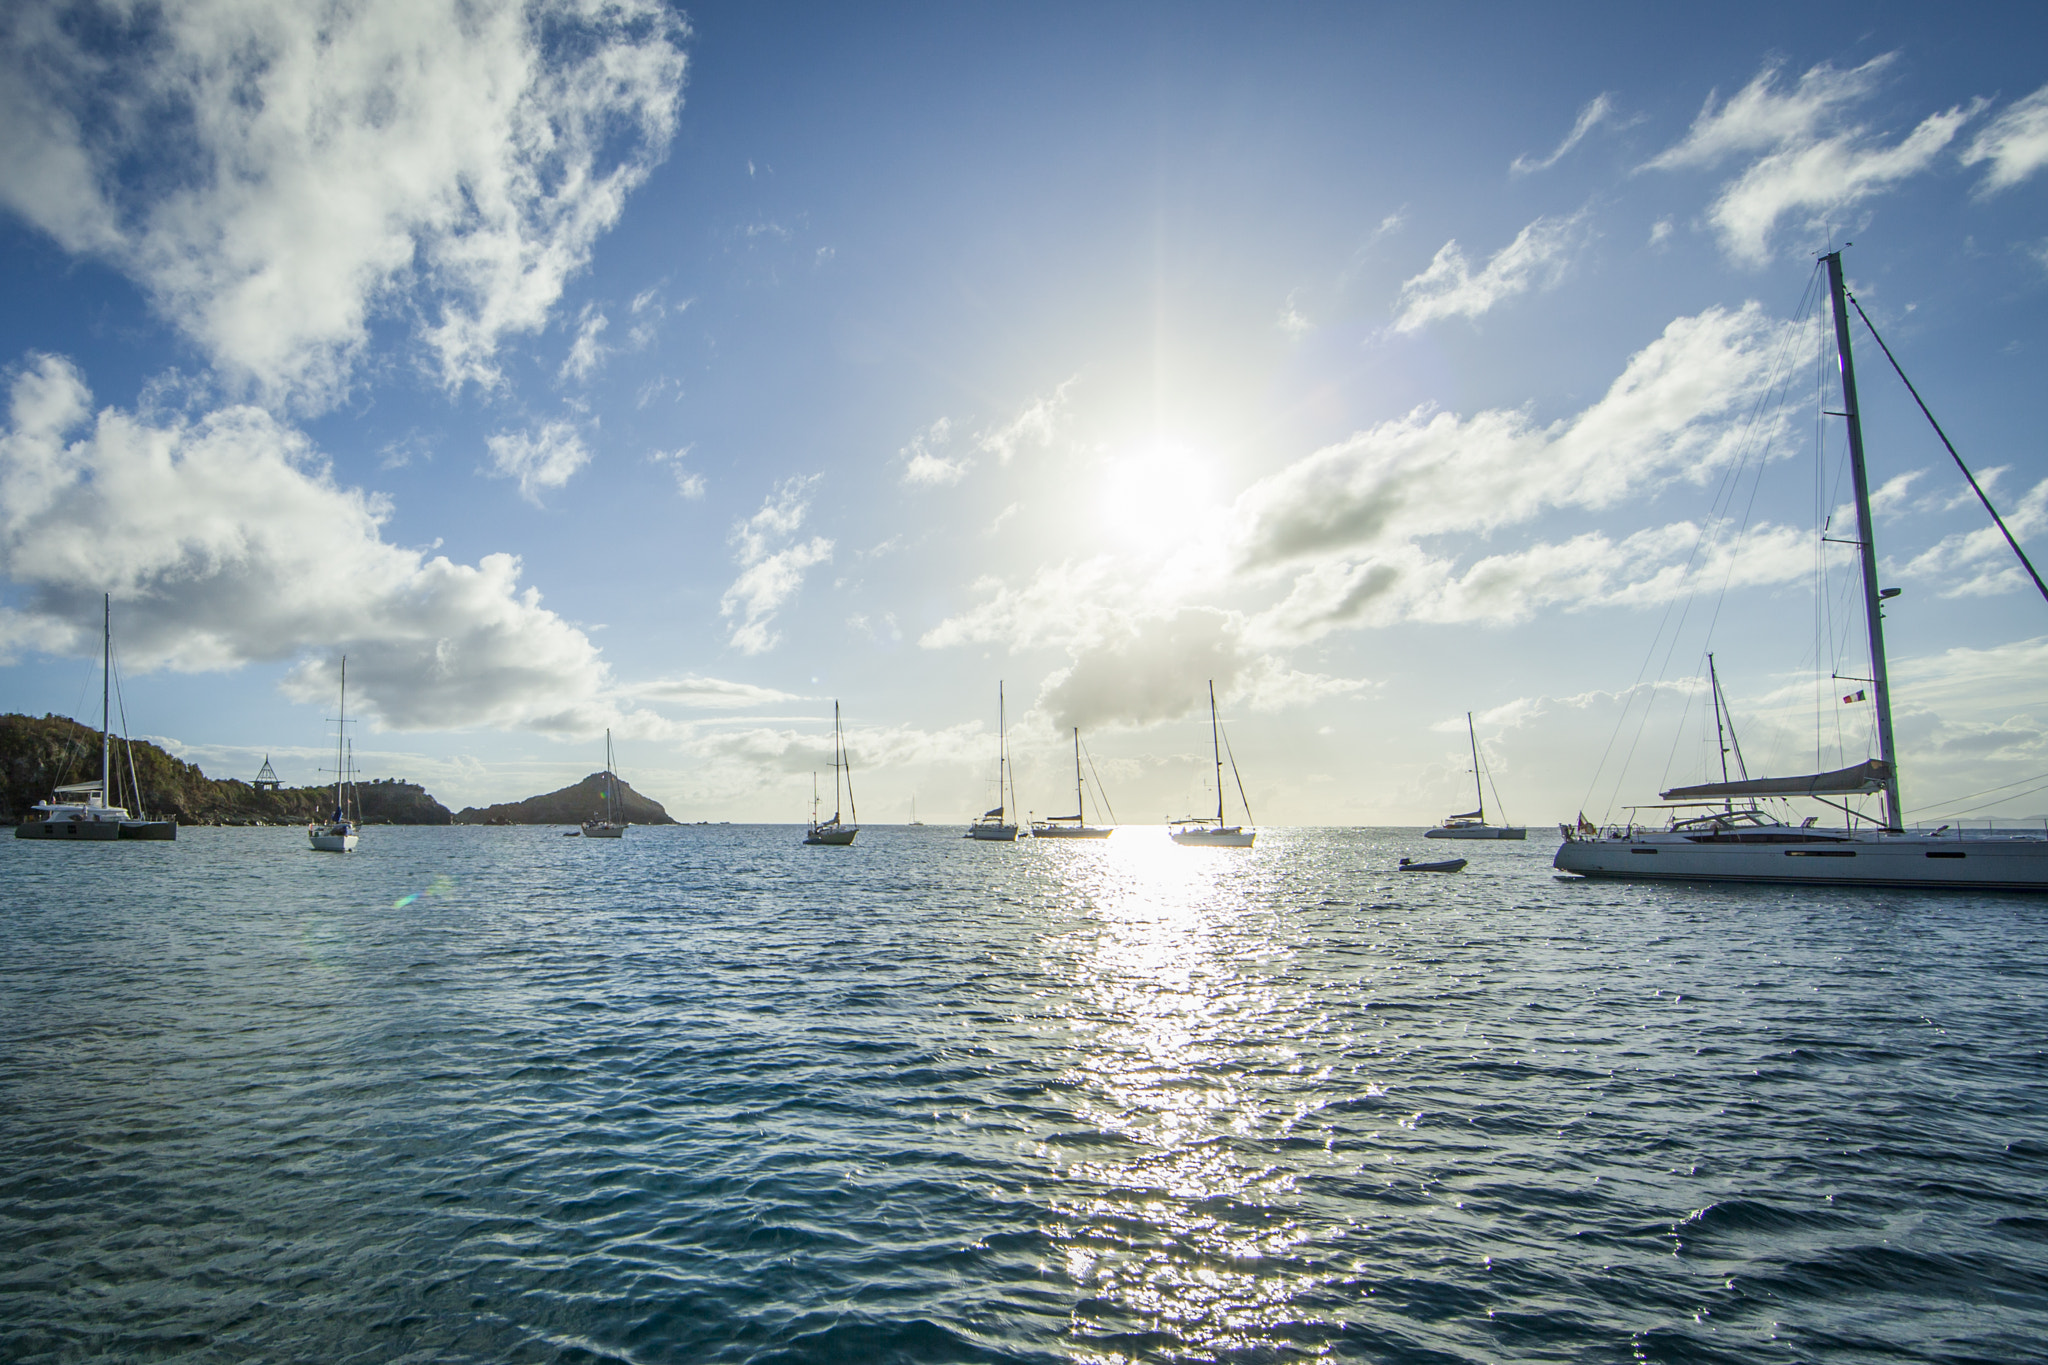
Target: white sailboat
{"points": [[89, 816], [996, 826], [1210, 830], [1074, 826], [341, 833], [609, 826], [835, 833], [915, 823], [1472, 824], [1748, 844]]}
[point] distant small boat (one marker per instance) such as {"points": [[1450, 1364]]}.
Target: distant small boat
{"points": [[914, 821], [610, 826], [1073, 826], [1210, 830], [834, 833], [1447, 865], [1472, 824], [994, 826], [341, 833]]}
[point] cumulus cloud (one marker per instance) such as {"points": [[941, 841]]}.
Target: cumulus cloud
{"points": [[547, 458], [923, 464], [225, 541], [1449, 288], [1599, 110], [772, 564], [2015, 143], [310, 165], [1810, 157]]}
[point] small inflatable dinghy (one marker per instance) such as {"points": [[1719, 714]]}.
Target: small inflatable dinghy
{"points": [[1447, 865]]}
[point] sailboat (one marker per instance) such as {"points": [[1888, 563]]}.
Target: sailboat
{"points": [[994, 825], [1210, 830], [341, 833], [88, 815], [611, 826], [1073, 826], [915, 823], [1472, 824], [834, 832], [1728, 843]]}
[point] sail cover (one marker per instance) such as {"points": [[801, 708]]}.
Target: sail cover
{"points": [[995, 814], [1866, 777], [1468, 815]]}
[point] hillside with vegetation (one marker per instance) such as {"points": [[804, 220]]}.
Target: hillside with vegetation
{"points": [[39, 754], [569, 806]]}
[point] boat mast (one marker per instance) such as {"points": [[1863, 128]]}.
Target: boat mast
{"points": [[1080, 809], [1216, 747], [106, 671], [1720, 735], [1002, 756], [839, 742], [340, 729], [1867, 535], [1478, 788]]}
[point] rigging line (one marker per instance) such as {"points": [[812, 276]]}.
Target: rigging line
{"points": [[2000, 801], [1236, 776], [1950, 446], [127, 744], [1971, 796], [1100, 793]]}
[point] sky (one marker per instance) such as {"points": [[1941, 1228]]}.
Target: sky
{"points": [[679, 371]]}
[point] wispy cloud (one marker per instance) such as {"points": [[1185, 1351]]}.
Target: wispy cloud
{"points": [[1450, 288], [2015, 143], [772, 564], [1811, 158], [318, 166], [547, 458], [924, 464], [689, 483], [1599, 110], [586, 353]]}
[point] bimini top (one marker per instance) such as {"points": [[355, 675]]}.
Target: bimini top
{"points": [[1866, 777]]}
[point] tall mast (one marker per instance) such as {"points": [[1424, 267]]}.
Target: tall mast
{"points": [[1478, 788], [106, 672], [1866, 533], [1002, 754], [340, 729], [1216, 747], [1080, 810], [1720, 735]]}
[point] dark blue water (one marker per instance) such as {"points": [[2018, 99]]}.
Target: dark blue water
{"points": [[706, 1095]]}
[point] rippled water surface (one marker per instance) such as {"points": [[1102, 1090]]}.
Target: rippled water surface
{"points": [[707, 1095]]}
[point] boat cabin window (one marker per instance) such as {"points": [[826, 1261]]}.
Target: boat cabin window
{"points": [[1739, 819]]}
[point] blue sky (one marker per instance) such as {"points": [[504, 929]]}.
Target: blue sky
{"points": [[680, 371]]}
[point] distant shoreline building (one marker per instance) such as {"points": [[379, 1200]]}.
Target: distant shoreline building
{"points": [[266, 780]]}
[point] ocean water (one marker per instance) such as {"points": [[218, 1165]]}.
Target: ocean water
{"points": [[708, 1095]]}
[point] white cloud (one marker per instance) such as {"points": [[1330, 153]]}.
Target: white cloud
{"points": [[1978, 563], [1536, 259], [1291, 320], [1598, 110], [924, 466], [1037, 424], [689, 485], [310, 166], [770, 577], [586, 353], [2015, 143], [706, 694], [1810, 158], [547, 458], [225, 541]]}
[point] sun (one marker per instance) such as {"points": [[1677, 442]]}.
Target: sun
{"points": [[1157, 497]]}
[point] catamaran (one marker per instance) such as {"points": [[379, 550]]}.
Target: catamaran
{"points": [[1748, 844], [88, 815], [1074, 826], [994, 826], [1472, 824], [1210, 830], [834, 832], [341, 833], [609, 825]]}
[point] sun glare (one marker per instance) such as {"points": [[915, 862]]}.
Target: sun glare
{"points": [[1158, 496]]}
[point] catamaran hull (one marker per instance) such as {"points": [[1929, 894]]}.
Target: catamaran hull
{"points": [[1898, 860], [149, 829], [1478, 832], [96, 831], [1215, 838]]}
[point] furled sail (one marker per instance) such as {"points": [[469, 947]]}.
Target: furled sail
{"points": [[1468, 815], [1866, 777], [995, 814]]}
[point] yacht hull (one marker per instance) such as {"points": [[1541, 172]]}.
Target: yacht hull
{"points": [[332, 839], [1977, 863], [1214, 838], [993, 834], [1072, 831], [836, 837], [1476, 832], [598, 829], [149, 829]]}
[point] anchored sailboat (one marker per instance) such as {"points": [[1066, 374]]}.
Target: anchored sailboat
{"points": [[1074, 826], [341, 833], [1210, 830], [1748, 844], [610, 826], [1472, 824], [89, 815], [835, 832], [995, 826]]}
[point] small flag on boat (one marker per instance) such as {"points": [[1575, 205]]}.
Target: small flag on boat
{"points": [[1585, 825], [1857, 695]]}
